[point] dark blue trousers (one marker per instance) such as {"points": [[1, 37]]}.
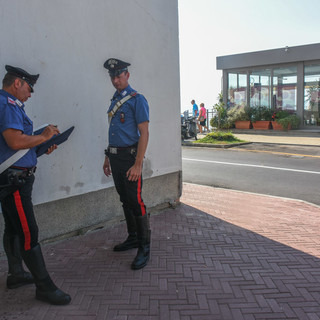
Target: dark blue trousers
{"points": [[17, 209], [129, 191]]}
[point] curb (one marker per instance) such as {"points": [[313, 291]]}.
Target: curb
{"points": [[208, 145], [211, 145]]}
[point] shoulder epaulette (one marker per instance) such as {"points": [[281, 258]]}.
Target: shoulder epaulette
{"points": [[11, 101], [134, 93]]}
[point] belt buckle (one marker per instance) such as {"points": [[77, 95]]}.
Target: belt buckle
{"points": [[113, 150], [31, 171]]}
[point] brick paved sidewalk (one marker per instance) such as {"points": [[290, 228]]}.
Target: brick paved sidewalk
{"points": [[222, 254]]}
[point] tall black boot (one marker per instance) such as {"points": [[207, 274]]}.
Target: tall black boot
{"points": [[144, 234], [46, 290], [132, 239], [17, 276]]}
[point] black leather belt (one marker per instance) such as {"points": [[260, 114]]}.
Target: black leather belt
{"points": [[120, 150], [26, 171], [14, 177]]}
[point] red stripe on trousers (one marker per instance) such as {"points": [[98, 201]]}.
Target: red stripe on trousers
{"points": [[143, 208], [23, 220]]}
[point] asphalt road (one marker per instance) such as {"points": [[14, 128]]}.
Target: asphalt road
{"points": [[278, 170]]}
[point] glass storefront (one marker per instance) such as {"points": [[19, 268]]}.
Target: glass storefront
{"points": [[277, 88], [285, 88], [260, 88], [311, 114], [272, 88], [237, 89]]}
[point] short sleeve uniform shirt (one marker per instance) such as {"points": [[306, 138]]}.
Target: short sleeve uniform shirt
{"points": [[123, 127], [13, 116]]}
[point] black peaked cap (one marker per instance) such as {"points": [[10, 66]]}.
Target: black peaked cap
{"points": [[31, 79], [116, 66]]}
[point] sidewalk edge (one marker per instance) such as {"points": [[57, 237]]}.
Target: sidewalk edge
{"points": [[256, 194]]}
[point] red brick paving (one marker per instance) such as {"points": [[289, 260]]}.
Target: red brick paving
{"points": [[221, 254]]}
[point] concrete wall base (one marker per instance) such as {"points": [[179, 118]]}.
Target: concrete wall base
{"points": [[76, 215]]}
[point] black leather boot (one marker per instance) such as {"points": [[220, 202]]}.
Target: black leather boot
{"points": [[144, 234], [130, 243], [17, 276], [132, 239], [46, 290]]}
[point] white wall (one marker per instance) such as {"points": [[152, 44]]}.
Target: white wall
{"points": [[67, 42]]}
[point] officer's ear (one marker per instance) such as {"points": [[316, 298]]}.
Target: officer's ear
{"points": [[17, 83], [128, 75]]}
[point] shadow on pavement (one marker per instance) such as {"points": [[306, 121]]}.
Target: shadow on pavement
{"points": [[202, 267]]}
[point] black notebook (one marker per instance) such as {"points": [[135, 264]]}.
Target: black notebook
{"points": [[57, 139]]}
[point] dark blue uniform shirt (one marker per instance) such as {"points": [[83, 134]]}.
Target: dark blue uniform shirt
{"points": [[123, 128], [13, 116]]}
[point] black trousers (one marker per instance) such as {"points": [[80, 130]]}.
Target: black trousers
{"points": [[129, 191], [17, 209]]}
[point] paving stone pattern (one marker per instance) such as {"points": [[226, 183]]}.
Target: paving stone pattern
{"points": [[220, 255]]}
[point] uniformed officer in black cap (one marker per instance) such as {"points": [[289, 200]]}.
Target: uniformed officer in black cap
{"points": [[21, 230], [128, 140]]}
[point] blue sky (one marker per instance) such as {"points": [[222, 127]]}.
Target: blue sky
{"points": [[211, 28]]}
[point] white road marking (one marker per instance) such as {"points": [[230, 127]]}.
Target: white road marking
{"points": [[250, 165]]}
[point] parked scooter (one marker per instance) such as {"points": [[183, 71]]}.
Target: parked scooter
{"points": [[188, 128]]}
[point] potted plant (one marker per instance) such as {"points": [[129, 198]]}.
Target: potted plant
{"points": [[262, 117], [240, 116], [289, 122], [277, 115], [284, 120]]}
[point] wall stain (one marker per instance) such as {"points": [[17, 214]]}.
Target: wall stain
{"points": [[65, 188], [79, 184]]}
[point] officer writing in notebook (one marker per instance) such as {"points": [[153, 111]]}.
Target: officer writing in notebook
{"points": [[128, 140], [21, 230]]}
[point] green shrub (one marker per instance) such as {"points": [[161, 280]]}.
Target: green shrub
{"points": [[223, 122], [220, 119], [294, 120], [219, 137], [239, 113], [261, 113], [280, 114]]}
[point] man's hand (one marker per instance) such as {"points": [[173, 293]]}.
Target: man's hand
{"points": [[134, 173], [106, 167], [51, 149], [50, 131]]}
